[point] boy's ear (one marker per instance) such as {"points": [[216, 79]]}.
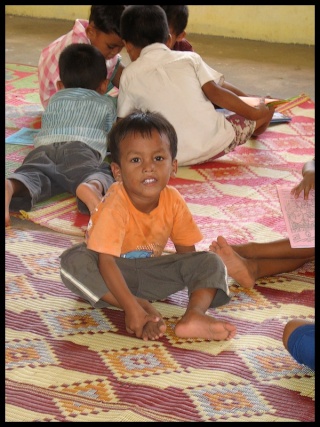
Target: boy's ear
{"points": [[102, 89], [91, 32], [174, 168], [181, 36], [116, 171], [60, 85]]}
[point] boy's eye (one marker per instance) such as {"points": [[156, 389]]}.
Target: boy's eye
{"points": [[158, 158], [135, 160]]}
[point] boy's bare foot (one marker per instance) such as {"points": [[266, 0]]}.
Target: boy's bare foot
{"points": [[89, 194], [152, 330], [9, 194], [195, 324], [240, 269]]}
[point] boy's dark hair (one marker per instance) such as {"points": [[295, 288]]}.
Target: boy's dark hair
{"points": [[142, 123], [177, 16], [106, 18], [144, 25], [82, 65]]}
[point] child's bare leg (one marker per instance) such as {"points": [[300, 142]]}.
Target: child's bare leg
{"points": [[247, 270], [243, 270], [262, 124], [13, 187], [275, 249], [90, 193], [195, 323]]}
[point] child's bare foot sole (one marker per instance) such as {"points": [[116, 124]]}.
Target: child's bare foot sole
{"points": [[197, 325], [238, 268], [153, 331]]}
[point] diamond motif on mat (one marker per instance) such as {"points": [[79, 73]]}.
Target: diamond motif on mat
{"points": [[17, 286], [228, 401], [28, 353], [244, 300], [268, 364], [288, 283], [287, 143], [43, 266], [142, 361], [68, 322], [74, 408], [252, 156], [99, 390], [227, 173]]}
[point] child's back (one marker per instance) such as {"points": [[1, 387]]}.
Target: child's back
{"points": [[172, 83], [78, 111]]}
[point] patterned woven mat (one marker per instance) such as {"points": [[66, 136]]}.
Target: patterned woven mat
{"points": [[235, 196], [68, 362]]}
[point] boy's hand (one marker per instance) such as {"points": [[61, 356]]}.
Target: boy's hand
{"points": [[136, 320], [307, 183]]}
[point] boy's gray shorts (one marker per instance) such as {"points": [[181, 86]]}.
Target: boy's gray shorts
{"points": [[149, 278]]}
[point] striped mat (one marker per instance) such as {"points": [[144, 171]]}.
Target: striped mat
{"points": [[67, 362]]}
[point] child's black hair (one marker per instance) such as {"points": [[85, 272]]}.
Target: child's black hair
{"points": [[82, 65], [143, 123], [144, 25], [177, 16], [106, 18]]}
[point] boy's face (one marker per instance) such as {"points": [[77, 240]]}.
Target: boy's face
{"points": [[108, 44], [146, 167]]}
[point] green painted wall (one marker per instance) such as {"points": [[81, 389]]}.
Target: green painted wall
{"points": [[276, 24]]}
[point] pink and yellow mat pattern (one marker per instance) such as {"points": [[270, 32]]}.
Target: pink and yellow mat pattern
{"points": [[67, 362]]}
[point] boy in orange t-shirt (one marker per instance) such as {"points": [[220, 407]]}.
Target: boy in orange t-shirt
{"points": [[121, 263]]}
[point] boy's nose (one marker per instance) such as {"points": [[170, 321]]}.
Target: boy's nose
{"points": [[148, 165]]}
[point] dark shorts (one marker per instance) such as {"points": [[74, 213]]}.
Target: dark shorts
{"points": [[148, 278], [60, 167], [301, 345]]}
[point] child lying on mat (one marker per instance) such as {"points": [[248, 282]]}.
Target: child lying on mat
{"points": [[101, 31], [121, 263], [182, 87], [71, 146]]}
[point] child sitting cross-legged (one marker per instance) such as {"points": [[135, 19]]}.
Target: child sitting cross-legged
{"points": [[121, 264]]}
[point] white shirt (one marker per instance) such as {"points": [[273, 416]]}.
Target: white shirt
{"points": [[170, 82]]}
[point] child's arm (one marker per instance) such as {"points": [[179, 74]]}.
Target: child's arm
{"points": [[308, 181], [116, 78], [135, 316], [232, 88], [227, 99], [184, 249]]}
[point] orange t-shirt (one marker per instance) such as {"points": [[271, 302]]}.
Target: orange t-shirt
{"points": [[118, 228]]}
